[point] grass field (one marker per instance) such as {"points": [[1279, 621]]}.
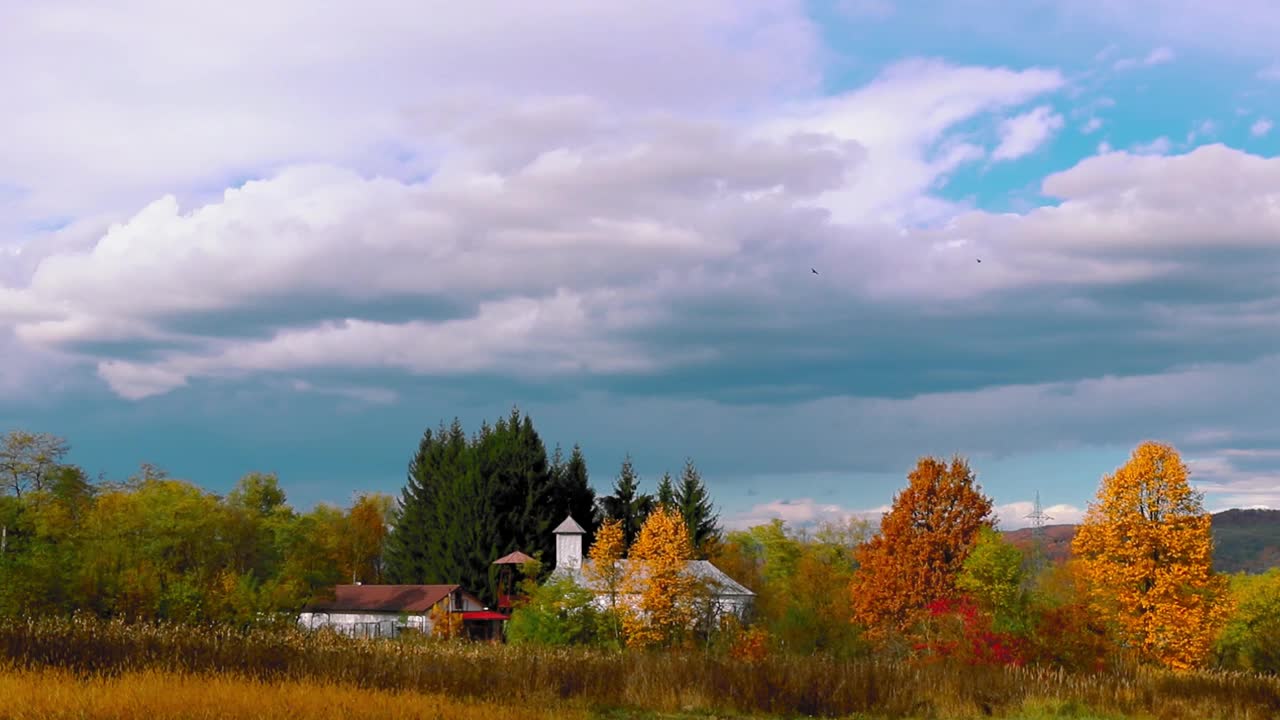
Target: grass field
{"points": [[143, 668]]}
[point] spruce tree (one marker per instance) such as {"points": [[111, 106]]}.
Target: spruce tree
{"points": [[408, 544], [667, 492], [572, 495], [627, 504], [695, 506]]}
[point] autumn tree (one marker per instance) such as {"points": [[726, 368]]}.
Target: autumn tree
{"points": [[361, 552], [605, 569], [1146, 549], [923, 541], [28, 459], [657, 572]]}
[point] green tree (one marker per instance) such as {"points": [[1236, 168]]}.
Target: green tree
{"points": [[1250, 640], [666, 496], [627, 504], [694, 503], [571, 493], [557, 613], [994, 577]]}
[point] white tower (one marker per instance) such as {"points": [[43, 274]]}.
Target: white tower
{"points": [[569, 544]]}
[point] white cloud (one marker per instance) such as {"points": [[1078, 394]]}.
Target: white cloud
{"points": [[1013, 515], [1159, 146], [1092, 126], [155, 98], [1205, 129], [1260, 128], [1158, 56], [901, 117], [801, 513], [1021, 135]]}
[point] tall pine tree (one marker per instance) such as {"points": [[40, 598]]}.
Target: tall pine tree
{"points": [[667, 492], [627, 504], [695, 507], [468, 501]]}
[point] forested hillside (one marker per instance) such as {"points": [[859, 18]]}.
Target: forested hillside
{"points": [[1244, 540]]}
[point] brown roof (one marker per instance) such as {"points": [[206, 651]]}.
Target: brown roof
{"points": [[384, 598], [515, 558]]}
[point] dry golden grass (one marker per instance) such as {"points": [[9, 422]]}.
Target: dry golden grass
{"points": [[52, 694], [575, 679]]}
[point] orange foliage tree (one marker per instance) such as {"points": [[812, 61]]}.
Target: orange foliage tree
{"points": [[657, 572], [923, 541], [1146, 550]]}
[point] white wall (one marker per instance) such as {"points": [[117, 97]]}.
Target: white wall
{"points": [[366, 624]]}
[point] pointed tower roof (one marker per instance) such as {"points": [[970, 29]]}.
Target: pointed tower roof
{"points": [[569, 527]]}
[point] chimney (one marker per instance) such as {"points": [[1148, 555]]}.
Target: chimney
{"points": [[569, 544]]}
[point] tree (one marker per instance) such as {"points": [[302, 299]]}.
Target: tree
{"points": [[557, 613], [363, 543], [627, 505], [27, 459], [657, 572], [1146, 549], [994, 577], [605, 570], [258, 492], [571, 493], [666, 495], [923, 541], [695, 507], [1250, 641]]}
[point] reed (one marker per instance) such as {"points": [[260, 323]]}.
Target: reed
{"points": [[651, 681]]}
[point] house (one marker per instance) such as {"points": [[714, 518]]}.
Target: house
{"points": [[384, 610], [726, 595]]}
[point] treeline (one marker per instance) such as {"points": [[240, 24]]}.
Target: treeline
{"points": [[472, 499], [156, 547]]}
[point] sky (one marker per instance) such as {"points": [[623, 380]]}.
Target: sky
{"points": [[289, 237]]}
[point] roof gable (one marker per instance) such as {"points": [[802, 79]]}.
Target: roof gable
{"points": [[384, 598], [569, 527]]}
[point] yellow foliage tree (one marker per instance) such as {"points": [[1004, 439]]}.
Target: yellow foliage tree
{"points": [[658, 572], [605, 569], [445, 625], [1145, 549]]}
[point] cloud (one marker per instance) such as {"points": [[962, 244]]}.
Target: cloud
{"points": [[800, 513], [1271, 72], [1159, 146], [1158, 56], [1091, 126], [904, 115], [155, 99], [1260, 128], [1022, 134], [1013, 515]]}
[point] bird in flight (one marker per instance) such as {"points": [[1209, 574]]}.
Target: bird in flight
{"points": [[979, 259], [815, 272]]}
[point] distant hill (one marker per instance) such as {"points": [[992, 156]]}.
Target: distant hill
{"points": [[1244, 540]]}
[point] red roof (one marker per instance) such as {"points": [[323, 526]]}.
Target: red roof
{"points": [[515, 558], [384, 598], [484, 615]]}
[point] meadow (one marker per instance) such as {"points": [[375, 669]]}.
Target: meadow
{"points": [[85, 667]]}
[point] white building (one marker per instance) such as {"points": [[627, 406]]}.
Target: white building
{"points": [[383, 610], [726, 595]]}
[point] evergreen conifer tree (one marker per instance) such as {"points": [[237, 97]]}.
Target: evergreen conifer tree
{"points": [[694, 504]]}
